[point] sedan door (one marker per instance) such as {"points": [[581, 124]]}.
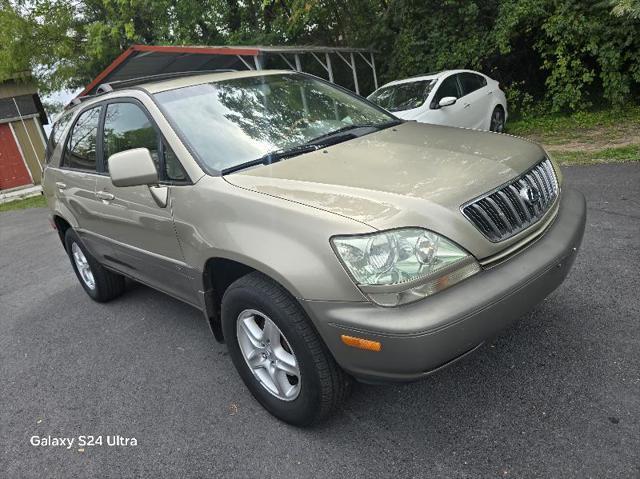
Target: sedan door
{"points": [[452, 115], [475, 100], [137, 231]]}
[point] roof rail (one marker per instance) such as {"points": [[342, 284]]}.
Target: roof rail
{"points": [[116, 85], [79, 99]]}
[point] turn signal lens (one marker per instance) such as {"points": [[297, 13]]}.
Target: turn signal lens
{"points": [[361, 343]]}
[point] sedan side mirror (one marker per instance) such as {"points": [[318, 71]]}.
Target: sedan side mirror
{"points": [[447, 101], [132, 168]]}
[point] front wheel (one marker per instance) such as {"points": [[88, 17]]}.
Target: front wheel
{"points": [[497, 120], [278, 353]]}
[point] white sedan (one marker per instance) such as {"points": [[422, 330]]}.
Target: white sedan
{"points": [[462, 98]]}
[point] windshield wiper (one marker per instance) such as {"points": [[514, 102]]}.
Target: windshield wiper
{"points": [[376, 126], [274, 156], [322, 141]]}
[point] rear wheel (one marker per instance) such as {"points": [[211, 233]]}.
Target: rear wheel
{"points": [[497, 120], [278, 353], [99, 283]]}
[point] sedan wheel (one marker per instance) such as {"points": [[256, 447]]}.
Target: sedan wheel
{"points": [[497, 120], [268, 354]]}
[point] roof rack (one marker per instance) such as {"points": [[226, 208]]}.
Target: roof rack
{"points": [[116, 85], [79, 99]]}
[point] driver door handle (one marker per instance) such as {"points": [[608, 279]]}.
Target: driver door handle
{"points": [[61, 186], [104, 196], [467, 105]]}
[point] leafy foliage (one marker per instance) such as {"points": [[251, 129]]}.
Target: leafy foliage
{"points": [[548, 54]]}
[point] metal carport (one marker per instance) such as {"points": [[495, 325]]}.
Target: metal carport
{"points": [[146, 60]]}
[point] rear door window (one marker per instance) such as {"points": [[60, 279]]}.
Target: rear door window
{"points": [[57, 131], [471, 82], [80, 153]]}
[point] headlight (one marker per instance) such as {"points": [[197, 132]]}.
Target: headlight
{"points": [[400, 266]]}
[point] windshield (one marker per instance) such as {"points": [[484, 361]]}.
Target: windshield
{"points": [[231, 122], [403, 96]]}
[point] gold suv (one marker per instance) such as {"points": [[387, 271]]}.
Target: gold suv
{"points": [[323, 238]]}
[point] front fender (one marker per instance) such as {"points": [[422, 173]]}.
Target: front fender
{"points": [[283, 239]]}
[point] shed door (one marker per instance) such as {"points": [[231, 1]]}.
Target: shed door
{"points": [[13, 171]]}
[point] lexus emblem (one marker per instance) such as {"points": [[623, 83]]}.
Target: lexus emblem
{"points": [[530, 194]]}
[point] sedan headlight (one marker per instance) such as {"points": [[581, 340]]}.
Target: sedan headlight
{"points": [[400, 266]]}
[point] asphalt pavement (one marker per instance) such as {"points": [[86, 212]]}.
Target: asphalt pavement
{"points": [[555, 396]]}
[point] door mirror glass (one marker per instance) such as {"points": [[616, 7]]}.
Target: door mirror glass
{"points": [[132, 168], [447, 101]]}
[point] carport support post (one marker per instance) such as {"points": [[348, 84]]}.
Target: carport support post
{"points": [[373, 67], [329, 68], [355, 73], [257, 59]]}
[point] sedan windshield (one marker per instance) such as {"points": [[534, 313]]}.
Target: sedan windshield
{"points": [[232, 122], [402, 96]]}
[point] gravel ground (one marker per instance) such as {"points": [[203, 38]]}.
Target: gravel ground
{"points": [[557, 395]]}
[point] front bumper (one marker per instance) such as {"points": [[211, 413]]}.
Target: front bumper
{"points": [[422, 337]]}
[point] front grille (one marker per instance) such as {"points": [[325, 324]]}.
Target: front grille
{"points": [[513, 207]]}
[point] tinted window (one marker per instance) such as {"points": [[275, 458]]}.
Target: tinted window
{"points": [[172, 167], [57, 131], [403, 96], [81, 148], [471, 82], [449, 87], [126, 126]]}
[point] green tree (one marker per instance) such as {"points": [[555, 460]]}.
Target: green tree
{"points": [[563, 54]]}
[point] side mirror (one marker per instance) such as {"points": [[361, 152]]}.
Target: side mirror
{"points": [[447, 101], [132, 168]]}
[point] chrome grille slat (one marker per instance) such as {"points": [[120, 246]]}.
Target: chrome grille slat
{"points": [[511, 206], [542, 173], [501, 214], [494, 231], [543, 187], [525, 210], [509, 209]]}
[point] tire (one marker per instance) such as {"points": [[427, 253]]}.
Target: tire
{"points": [[102, 285], [497, 120], [321, 385]]}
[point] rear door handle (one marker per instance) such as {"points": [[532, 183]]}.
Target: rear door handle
{"points": [[61, 186], [104, 196]]}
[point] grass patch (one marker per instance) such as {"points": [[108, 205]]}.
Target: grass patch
{"points": [[604, 136], [33, 202], [606, 155], [562, 126]]}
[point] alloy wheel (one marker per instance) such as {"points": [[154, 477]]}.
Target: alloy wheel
{"points": [[83, 266], [497, 121], [268, 354]]}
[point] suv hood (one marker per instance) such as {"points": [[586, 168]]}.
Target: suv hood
{"points": [[410, 175]]}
